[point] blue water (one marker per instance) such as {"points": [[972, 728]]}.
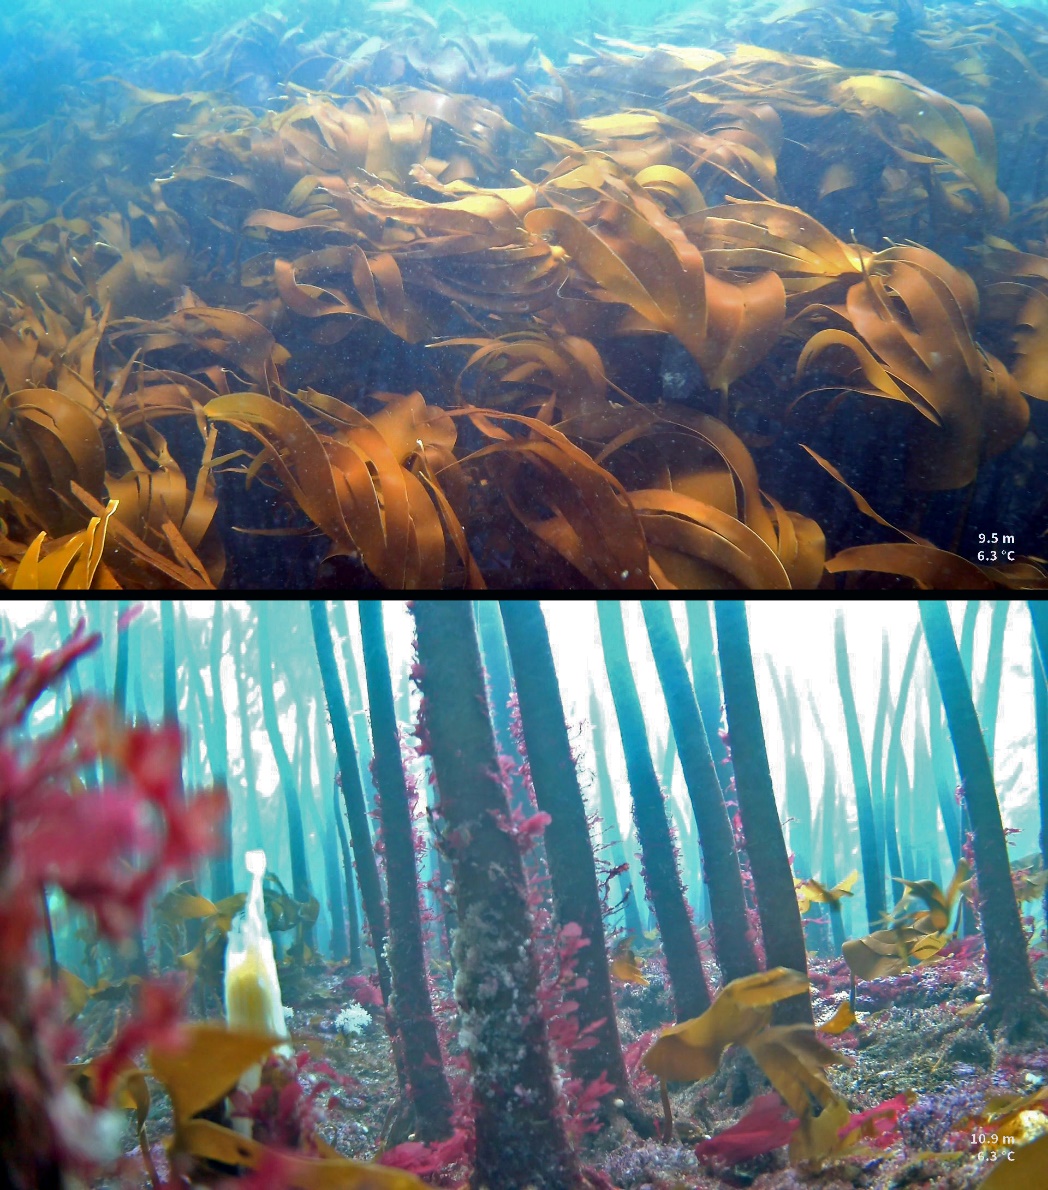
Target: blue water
{"points": [[887, 329]]}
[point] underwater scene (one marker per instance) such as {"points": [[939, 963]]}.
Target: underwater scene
{"points": [[353, 295], [520, 896]]}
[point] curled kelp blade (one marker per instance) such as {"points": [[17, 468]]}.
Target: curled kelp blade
{"points": [[861, 503], [205, 1064], [679, 435], [205, 1139], [71, 564], [801, 546], [638, 256], [377, 283], [939, 903], [533, 370], [695, 487], [765, 235], [1018, 302], [693, 1049], [57, 443], [913, 342], [229, 335], [890, 952], [352, 484], [1030, 341], [811, 890], [560, 495], [146, 567], [158, 506], [698, 546], [959, 133], [794, 1060]]}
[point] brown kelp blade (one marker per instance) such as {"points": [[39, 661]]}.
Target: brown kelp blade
{"points": [[692, 1049]]}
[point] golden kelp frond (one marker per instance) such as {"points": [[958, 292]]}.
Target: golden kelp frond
{"points": [[1017, 303], [672, 447], [472, 249], [48, 351], [140, 566], [624, 965], [730, 149], [357, 481], [471, 135], [694, 486], [104, 525], [696, 546], [940, 904], [510, 277], [520, 198], [1008, 1114], [146, 275], [809, 891], [658, 194], [1025, 307], [636, 254], [841, 1021], [372, 135], [743, 237], [693, 1049], [227, 334], [52, 442], [533, 372], [962, 136], [390, 219], [213, 1142], [645, 262], [889, 952], [799, 546], [158, 507], [554, 502], [794, 1059], [148, 114], [43, 257], [205, 1064], [914, 937], [791, 1056], [367, 134], [639, 69], [913, 344], [377, 281], [72, 563], [921, 136], [841, 32]]}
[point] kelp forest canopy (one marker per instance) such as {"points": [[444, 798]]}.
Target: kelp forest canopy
{"points": [[752, 296]]}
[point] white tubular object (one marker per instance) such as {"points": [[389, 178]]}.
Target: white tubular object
{"points": [[251, 985]]}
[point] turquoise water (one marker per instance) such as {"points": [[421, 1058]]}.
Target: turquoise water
{"points": [[755, 293]]}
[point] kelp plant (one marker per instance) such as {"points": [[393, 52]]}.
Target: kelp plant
{"points": [[428, 329]]}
